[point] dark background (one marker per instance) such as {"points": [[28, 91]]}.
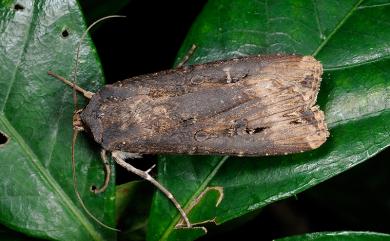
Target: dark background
{"points": [[148, 40]]}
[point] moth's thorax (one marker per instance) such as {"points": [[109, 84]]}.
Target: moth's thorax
{"points": [[262, 105]]}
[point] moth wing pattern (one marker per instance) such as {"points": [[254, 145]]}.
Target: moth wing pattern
{"points": [[251, 106]]}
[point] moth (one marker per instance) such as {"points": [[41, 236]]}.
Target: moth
{"points": [[248, 106], [251, 106]]}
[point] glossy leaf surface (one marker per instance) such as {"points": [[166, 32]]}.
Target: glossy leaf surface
{"points": [[335, 236]]}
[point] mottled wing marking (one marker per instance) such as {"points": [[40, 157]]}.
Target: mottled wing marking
{"points": [[248, 106]]}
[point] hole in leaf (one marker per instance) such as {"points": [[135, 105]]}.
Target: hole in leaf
{"points": [[65, 33], [18, 7], [3, 139]]}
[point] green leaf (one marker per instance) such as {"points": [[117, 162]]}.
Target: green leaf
{"points": [[350, 38], [36, 191], [133, 200], [367, 183], [335, 236]]}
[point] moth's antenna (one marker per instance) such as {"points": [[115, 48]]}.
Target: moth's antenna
{"points": [[78, 53], [77, 124], [87, 94]]}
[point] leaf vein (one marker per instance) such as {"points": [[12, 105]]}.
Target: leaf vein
{"points": [[338, 26], [318, 19], [27, 39], [374, 6], [196, 194]]}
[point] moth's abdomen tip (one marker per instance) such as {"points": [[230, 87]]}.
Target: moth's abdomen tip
{"points": [[317, 140]]}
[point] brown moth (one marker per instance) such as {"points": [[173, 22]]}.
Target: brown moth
{"points": [[250, 106]]}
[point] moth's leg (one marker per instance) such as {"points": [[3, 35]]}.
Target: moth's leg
{"points": [[129, 155], [107, 171], [119, 157], [151, 168], [187, 57]]}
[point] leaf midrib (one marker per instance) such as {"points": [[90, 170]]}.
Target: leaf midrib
{"points": [[202, 187]]}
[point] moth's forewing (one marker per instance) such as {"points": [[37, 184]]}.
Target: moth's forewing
{"points": [[261, 105]]}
